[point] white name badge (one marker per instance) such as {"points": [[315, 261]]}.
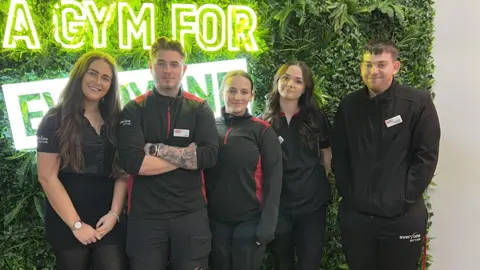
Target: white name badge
{"points": [[393, 121], [280, 139], [181, 133]]}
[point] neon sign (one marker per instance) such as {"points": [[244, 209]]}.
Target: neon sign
{"points": [[28, 102], [211, 26], [236, 26]]}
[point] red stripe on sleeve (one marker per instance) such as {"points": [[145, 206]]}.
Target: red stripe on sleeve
{"points": [[204, 190], [259, 181], [129, 193]]}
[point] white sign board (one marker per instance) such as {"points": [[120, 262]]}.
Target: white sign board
{"points": [[28, 102]]}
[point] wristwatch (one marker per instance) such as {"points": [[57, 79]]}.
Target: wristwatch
{"points": [[152, 150], [77, 225]]}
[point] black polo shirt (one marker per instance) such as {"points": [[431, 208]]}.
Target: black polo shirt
{"points": [[98, 152], [91, 190], [305, 184]]}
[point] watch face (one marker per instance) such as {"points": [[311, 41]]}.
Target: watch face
{"points": [[77, 225], [152, 150]]}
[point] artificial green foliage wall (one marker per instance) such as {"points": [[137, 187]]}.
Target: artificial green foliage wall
{"points": [[327, 35]]}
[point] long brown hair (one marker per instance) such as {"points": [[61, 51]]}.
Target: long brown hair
{"points": [[310, 115], [69, 113]]}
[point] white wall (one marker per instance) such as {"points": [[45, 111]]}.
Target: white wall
{"points": [[456, 201]]}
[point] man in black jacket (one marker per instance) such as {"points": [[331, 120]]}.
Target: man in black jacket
{"points": [[166, 138], [385, 144]]}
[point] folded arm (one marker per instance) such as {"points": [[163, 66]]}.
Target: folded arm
{"points": [[185, 157], [131, 143]]}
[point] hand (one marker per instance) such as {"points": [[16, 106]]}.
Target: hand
{"points": [[193, 145], [106, 224], [264, 239], [86, 234]]}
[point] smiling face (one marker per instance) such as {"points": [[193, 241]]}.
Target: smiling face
{"points": [[291, 84], [237, 93], [97, 80], [378, 71]]}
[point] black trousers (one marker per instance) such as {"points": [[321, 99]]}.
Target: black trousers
{"points": [[300, 235], [234, 246], [185, 241], [372, 243], [95, 257]]}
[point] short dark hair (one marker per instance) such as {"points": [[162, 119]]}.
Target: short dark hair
{"points": [[376, 47], [166, 44]]}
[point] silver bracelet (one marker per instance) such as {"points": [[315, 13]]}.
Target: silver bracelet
{"points": [[115, 215]]}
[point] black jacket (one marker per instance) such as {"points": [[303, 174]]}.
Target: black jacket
{"points": [[153, 118], [247, 179], [385, 149]]}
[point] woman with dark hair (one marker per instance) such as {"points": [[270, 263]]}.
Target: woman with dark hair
{"points": [[303, 131], [243, 188], [78, 171]]}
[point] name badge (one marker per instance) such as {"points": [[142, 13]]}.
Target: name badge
{"points": [[280, 139], [181, 133], [393, 121]]}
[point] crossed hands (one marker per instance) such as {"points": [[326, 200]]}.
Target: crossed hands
{"points": [[146, 148], [88, 235]]}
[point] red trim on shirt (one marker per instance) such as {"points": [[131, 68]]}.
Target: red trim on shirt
{"points": [[142, 97], [168, 122], [226, 135], [282, 114], [129, 193], [259, 181], [204, 190], [258, 120], [191, 96]]}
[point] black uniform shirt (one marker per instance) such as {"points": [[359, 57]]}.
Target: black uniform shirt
{"points": [[91, 190], [97, 150], [305, 185], [174, 121]]}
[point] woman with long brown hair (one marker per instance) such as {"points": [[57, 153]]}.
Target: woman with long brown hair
{"points": [[77, 169], [303, 131]]}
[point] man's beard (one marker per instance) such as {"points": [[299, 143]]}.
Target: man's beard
{"points": [[168, 87]]}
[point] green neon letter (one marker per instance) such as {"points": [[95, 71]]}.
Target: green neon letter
{"points": [[195, 88], [181, 25], [69, 20], [140, 26], [27, 115], [126, 91], [242, 23], [20, 26], [99, 20], [211, 30]]}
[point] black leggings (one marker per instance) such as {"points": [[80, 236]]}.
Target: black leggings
{"points": [[301, 235], [105, 257]]}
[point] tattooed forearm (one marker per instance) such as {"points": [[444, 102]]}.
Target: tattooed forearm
{"points": [[182, 157]]}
